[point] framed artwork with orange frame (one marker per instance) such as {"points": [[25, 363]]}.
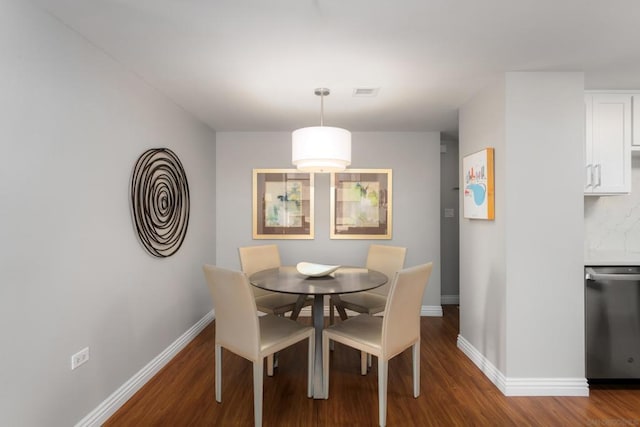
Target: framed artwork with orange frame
{"points": [[478, 185]]}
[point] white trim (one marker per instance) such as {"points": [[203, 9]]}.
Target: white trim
{"points": [[450, 299], [487, 368], [523, 386], [547, 387], [119, 397], [425, 310], [431, 311]]}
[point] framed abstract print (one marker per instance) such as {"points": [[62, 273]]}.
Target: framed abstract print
{"points": [[361, 204], [282, 204]]}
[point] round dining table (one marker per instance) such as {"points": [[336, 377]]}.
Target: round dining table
{"points": [[342, 281]]}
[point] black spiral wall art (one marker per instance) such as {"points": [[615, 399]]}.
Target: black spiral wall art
{"points": [[160, 201]]}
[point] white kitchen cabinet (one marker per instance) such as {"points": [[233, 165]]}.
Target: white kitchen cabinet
{"points": [[608, 143]]}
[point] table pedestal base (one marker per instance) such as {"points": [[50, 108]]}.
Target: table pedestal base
{"points": [[318, 325]]}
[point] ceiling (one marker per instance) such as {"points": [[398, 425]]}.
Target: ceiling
{"points": [[253, 65]]}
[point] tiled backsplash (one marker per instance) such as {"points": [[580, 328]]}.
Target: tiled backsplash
{"points": [[612, 225]]}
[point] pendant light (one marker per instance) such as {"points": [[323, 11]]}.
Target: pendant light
{"points": [[321, 148]]}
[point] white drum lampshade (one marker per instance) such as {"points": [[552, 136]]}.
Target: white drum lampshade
{"points": [[321, 149]]}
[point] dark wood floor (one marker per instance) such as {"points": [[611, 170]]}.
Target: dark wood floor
{"points": [[453, 392]]}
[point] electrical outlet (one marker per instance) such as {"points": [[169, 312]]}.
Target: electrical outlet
{"points": [[80, 358]]}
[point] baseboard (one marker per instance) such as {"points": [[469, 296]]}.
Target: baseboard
{"points": [[426, 310], [118, 398], [547, 387], [431, 311], [523, 386], [450, 299], [487, 368]]}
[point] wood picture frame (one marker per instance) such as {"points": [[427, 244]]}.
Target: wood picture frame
{"points": [[361, 204], [282, 204]]}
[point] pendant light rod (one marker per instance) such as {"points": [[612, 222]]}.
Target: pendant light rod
{"points": [[322, 92]]}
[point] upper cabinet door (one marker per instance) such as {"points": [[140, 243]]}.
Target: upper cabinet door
{"points": [[608, 144]]}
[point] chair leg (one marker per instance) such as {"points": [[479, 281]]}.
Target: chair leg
{"points": [[257, 392], [363, 363], [218, 357], [270, 365], [383, 367], [312, 353], [416, 368], [325, 366]]}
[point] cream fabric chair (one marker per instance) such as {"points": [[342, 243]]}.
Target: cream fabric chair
{"points": [[257, 258], [388, 336], [239, 329], [385, 259]]}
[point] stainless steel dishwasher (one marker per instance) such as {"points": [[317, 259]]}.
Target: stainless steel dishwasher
{"points": [[613, 322]]}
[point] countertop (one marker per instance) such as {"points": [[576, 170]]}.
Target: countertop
{"points": [[593, 262], [610, 263], [611, 258]]}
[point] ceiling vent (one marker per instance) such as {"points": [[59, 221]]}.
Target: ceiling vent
{"points": [[365, 92]]}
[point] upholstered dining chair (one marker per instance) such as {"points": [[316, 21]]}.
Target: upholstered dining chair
{"points": [[385, 259], [239, 329], [263, 257], [387, 336]]}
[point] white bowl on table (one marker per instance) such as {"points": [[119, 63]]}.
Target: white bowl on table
{"points": [[315, 270]]}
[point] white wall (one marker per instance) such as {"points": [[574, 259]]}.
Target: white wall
{"points": [[612, 225], [414, 158], [72, 273], [545, 234], [521, 286]]}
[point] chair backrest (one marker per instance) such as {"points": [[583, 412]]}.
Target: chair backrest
{"points": [[401, 322], [387, 260], [237, 326], [258, 258]]}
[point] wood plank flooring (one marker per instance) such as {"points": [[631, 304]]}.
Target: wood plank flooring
{"points": [[453, 392]]}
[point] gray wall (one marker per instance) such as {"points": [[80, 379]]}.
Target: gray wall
{"points": [[482, 243], [545, 227], [521, 284], [414, 158], [449, 226], [72, 273]]}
